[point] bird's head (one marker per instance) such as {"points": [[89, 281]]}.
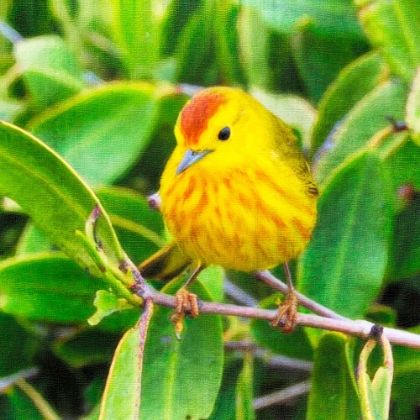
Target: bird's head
{"points": [[219, 126]]}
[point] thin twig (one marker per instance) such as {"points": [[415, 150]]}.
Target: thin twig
{"points": [[9, 33], [7, 381], [237, 294], [283, 362], [279, 362], [283, 396]]}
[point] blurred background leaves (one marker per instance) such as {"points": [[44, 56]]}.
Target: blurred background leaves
{"points": [[102, 83]]}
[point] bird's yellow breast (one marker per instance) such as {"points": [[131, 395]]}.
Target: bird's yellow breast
{"points": [[247, 218], [237, 191]]}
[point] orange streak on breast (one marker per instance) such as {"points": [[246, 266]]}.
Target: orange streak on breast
{"points": [[204, 200], [189, 190], [303, 230], [227, 183], [196, 114], [269, 216]]}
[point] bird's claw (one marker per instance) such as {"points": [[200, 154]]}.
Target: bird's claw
{"points": [[286, 316], [186, 305]]}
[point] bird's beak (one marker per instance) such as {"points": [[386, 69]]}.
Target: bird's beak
{"points": [[190, 158]]}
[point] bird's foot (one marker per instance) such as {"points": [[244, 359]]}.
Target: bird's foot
{"points": [[186, 305], [286, 316]]}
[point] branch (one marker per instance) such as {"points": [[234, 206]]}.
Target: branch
{"points": [[277, 361], [283, 396], [357, 328]]}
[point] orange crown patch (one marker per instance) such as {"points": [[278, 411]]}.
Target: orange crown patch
{"points": [[196, 114]]}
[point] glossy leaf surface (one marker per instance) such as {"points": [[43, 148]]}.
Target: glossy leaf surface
{"points": [[61, 202], [344, 264]]}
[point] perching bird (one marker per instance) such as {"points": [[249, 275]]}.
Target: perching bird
{"points": [[237, 191]]}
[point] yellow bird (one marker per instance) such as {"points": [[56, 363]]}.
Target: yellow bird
{"points": [[237, 191]]}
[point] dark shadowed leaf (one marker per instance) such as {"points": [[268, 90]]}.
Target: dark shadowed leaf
{"points": [[345, 262], [354, 81], [332, 394]]}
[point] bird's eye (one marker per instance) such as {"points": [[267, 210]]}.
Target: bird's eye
{"points": [[224, 134]]}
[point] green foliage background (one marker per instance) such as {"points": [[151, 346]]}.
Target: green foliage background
{"points": [[97, 86]]}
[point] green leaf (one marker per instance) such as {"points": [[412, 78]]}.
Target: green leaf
{"points": [[403, 165], [11, 225], [320, 58], [107, 303], [344, 263], [265, 55], [4, 7], [16, 346], [22, 407], [33, 240], [296, 345], [350, 350], [212, 279], [375, 394], [332, 392], [49, 69], [382, 388], [119, 322], [9, 109], [352, 84], [254, 46], [122, 393], [92, 398], [295, 111], [245, 391], [225, 406], [101, 133], [406, 385], [135, 29], [392, 27], [86, 348], [30, 17], [138, 227], [330, 17], [55, 197], [82, 23], [182, 378], [196, 65], [365, 119], [404, 261], [226, 42], [413, 109], [47, 287], [177, 15], [382, 315]]}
